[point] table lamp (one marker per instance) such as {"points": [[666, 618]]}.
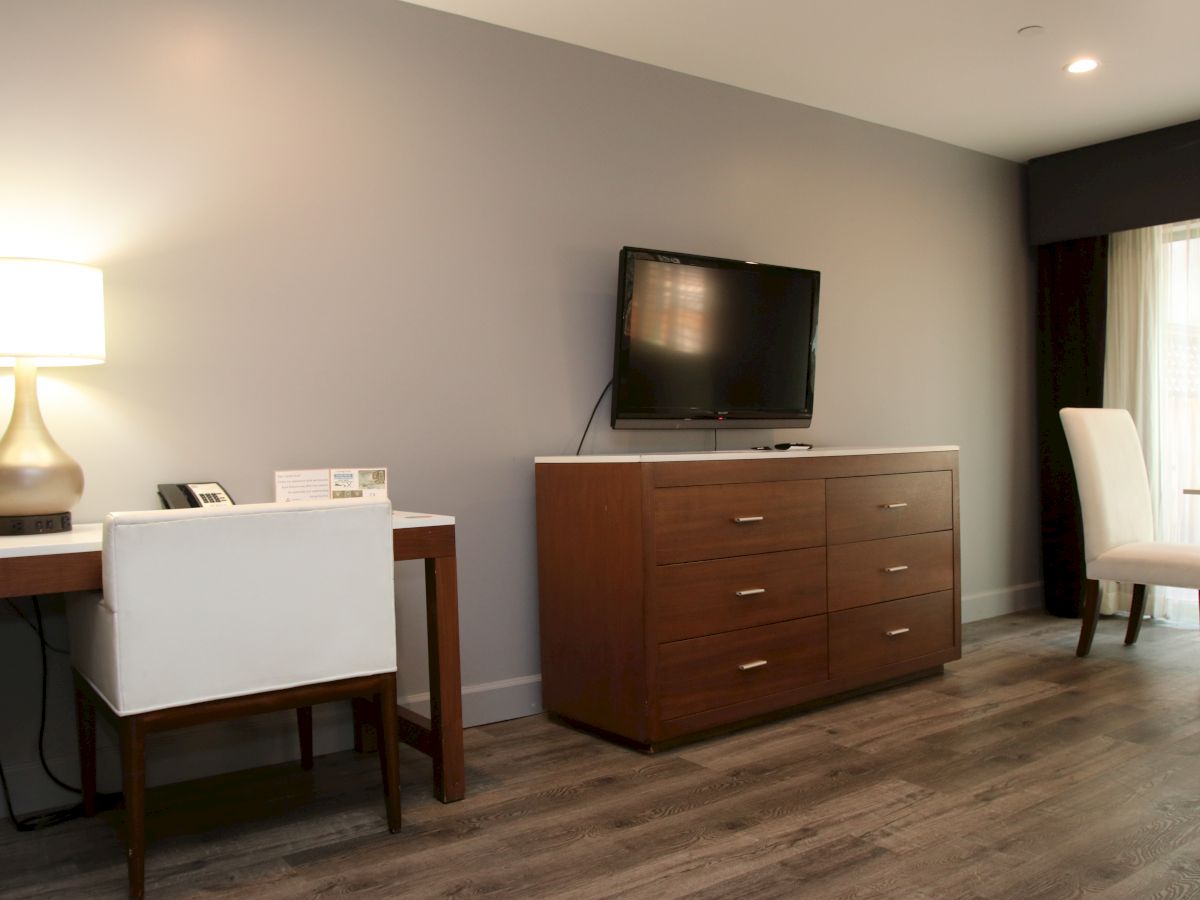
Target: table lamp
{"points": [[51, 314]]}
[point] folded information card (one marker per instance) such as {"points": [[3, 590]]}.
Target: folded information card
{"points": [[329, 484]]}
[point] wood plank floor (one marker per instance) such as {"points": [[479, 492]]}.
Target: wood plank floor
{"points": [[1022, 772]]}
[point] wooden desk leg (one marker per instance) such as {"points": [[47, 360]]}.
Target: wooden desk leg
{"points": [[445, 679]]}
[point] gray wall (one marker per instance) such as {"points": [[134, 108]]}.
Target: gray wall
{"points": [[364, 233]]}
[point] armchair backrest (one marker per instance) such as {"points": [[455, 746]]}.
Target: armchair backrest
{"points": [[1114, 491], [201, 604]]}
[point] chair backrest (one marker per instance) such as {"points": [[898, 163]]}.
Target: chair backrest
{"points": [[201, 604], [1114, 491]]}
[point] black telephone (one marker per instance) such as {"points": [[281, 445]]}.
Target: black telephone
{"points": [[181, 496]]}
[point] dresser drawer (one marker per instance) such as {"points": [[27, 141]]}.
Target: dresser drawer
{"points": [[881, 506], [710, 672], [871, 571], [699, 598], [887, 633], [721, 520]]}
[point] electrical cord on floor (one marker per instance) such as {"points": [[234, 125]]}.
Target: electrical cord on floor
{"points": [[41, 820], [592, 416], [57, 816]]}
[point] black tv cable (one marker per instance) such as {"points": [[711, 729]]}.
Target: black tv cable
{"points": [[592, 416]]}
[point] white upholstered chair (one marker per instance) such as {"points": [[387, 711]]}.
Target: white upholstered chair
{"points": [[1118, 524], [213, 613]]}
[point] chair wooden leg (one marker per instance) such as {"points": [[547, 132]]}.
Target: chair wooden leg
{"points": [[133, 779], [85, 728], [304, 727], [364, 725], [374, 725], [1137, 609], [389, 753], [1091, 612]]}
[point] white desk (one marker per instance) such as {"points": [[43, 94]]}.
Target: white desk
{"points": [[70, 561]]}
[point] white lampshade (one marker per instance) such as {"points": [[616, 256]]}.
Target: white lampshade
{"points": [[51, 313]]}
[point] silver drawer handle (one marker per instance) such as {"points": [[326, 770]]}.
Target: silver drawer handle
{"points": [[896, 569], [742, 520], [896, 632], [757, 664], [749, 592], [894, 505]]}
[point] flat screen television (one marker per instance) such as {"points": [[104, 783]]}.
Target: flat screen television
{"points": [[703, 342]]}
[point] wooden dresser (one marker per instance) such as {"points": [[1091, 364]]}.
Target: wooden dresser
{"points": [[686, 592]]}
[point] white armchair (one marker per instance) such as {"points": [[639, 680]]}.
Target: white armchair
{"points": [[214, 613], [1118, 523]]}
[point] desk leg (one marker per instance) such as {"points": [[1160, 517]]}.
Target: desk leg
{"points": [[445, 680]]}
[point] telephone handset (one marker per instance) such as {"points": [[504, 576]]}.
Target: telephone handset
{"points": [[181, 496]]}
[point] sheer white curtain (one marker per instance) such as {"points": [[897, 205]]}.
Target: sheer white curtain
{"points": [[1152, 369], [1132, 360], [1179, 428]]}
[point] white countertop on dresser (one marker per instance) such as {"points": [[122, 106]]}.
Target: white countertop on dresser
{"points": [[670, 456]]}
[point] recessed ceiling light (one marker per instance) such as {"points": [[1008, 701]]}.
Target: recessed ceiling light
{"points": [[1081, 65]]}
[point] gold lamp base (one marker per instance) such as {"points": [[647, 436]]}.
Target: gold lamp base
{"points": [[37, 477]]}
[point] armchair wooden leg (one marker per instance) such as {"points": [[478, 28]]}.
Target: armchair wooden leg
{"points": [[374, 725], [389, 752], [304, 728], [1091, 612], [364, 725], [1137, 609], [85, 728], [133, 779]]}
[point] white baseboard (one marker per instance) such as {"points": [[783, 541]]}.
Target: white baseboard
{"points": [[244, 743], [182, 754], [271, 739], [492, 701], [1001, 602]]}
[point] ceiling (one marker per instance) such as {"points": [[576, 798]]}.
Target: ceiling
{"points": [[954, 70]]}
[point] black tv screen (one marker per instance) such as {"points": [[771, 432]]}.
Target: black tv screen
{"points": [[713, 343]]}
